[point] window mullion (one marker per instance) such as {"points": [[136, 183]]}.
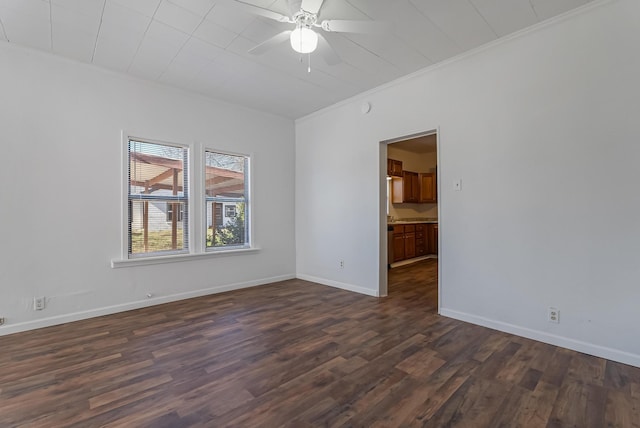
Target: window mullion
{"points": [[195, 202]]}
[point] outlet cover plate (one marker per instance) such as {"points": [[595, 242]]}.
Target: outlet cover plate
{"points": [[38, 303]]}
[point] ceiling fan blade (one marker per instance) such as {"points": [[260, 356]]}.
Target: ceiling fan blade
{"points": [[295, 6], [270, 43], [257, 10], [327, 52], [347, 26], [311, 6]]}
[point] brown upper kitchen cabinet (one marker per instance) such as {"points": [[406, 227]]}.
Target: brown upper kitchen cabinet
{"points": [[405, 189], [414, 194], [428, 187], [394, 168], [414, 188]]}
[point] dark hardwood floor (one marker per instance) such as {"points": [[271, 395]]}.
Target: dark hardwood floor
{"points": [[300, 354]]}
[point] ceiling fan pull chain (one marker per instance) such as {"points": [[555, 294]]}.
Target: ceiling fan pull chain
{"points": [[309, 64]]}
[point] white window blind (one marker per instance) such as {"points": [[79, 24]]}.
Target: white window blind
{"points": [[158, 199]]}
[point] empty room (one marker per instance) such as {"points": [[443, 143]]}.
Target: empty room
{"points": [[343, 213]]}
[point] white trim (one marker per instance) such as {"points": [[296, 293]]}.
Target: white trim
{"points": [[197, 240], [143, 261], [196, 210], [202, 205], [248, 197], [439, 193], [412, 261], [77, 316], [153, 84], [383, 258], [124, 196], [383, 227], [191, 149], [362, 96], [552, 339], [341, 285]]}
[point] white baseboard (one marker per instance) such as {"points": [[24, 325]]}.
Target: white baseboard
{"points": [[414, 260], [552, 339], [341, 285], [108, 310]]}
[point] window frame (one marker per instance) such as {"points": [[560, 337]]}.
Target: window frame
{"points": [[186, 199], [196, 229], [247, 199]]}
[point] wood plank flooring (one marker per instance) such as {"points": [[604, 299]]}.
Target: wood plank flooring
{"points": [[300, 354]]}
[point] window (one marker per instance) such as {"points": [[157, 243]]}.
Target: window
{"points": [[229, 210], [170, 209], [164, 221], [157, 188], [226, 199]]}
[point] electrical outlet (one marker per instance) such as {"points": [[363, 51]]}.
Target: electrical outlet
{"points": [[553, 315], [1, 320], [38, 303], [341, 264]]}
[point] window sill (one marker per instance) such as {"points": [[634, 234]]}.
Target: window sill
{"points": [[121, 263]]}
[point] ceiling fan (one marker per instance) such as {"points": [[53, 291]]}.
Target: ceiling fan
{"points": [[304, 38]]}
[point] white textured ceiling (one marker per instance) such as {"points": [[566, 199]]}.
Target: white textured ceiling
{"points": [[201, 45]]}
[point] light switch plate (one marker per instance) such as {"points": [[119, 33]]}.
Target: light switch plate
{"points": [[457, 185]]}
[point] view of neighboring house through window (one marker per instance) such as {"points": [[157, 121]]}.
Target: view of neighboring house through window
{"points": [[157, 198], [226, 198]]}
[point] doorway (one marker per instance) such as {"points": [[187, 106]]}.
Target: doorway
{"points": [[410, 214]]}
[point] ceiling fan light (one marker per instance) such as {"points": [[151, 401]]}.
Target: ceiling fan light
{"points": [[304, 40]]}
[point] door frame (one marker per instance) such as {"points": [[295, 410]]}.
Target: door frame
{"points": [[383, 261]]}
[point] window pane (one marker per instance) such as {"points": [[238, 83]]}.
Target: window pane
{"points": [[226, 224], [224, 175], [156, 169], [226, 200], [158, 198], [152, 230]]}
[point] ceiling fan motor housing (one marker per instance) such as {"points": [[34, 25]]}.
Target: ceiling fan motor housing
{"points": [[305, 19]]}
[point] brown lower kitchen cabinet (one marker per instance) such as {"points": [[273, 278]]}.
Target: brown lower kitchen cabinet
{"points": [[404, 242], [414, 240], [432, 238], [421, 242], [409, 241], [398, 243]]}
